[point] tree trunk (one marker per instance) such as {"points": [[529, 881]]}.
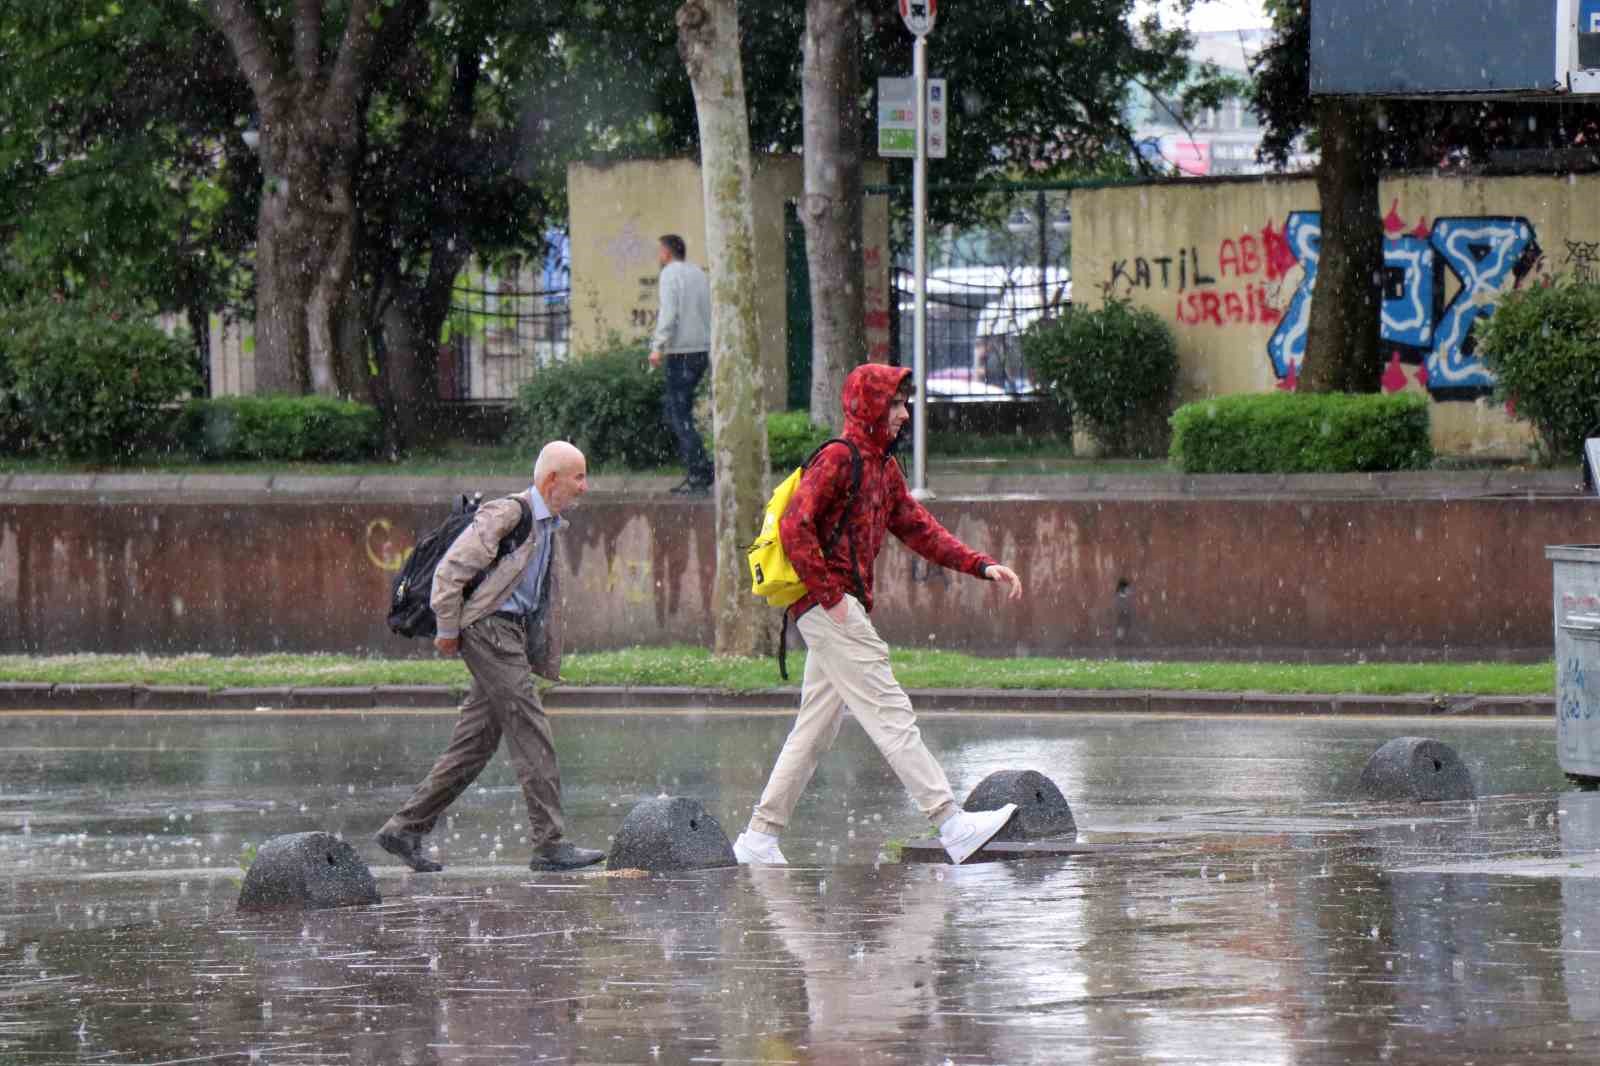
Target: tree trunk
{"points": [[310, 100], [831, 208], [1342, 352], [708, 41], [412, 321]]}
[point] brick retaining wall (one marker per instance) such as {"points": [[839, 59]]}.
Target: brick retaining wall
{"points": [[247, 565]]}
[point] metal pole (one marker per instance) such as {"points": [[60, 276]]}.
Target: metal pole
{"points": [[919, 210], [1044, 253]]}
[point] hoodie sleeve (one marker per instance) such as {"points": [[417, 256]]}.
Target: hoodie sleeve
{"points": [[922, 533], [815, 506], [667, 319]]}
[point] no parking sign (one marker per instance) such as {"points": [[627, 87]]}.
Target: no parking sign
{"points": [[918, 15]]}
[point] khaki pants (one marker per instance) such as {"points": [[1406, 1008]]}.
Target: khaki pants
{"points": [[503, 702], [848, 665]]}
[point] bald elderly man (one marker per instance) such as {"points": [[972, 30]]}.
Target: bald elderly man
{"points": [[506, 630]]}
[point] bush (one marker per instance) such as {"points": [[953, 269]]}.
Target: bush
{"points": [[1543, 344], [281, 428], [792, 437], [1295, 433], [87, 379], [1113, 368], [607, 403]]}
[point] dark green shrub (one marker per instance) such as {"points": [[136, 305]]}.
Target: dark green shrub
{"points": [[1300, 433], [1543, 343], [87, 379], [281, 428], [1113, 368], [607, 403], [791, 438]]}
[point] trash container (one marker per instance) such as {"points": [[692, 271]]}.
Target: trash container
{"points": [[1576, 594]]}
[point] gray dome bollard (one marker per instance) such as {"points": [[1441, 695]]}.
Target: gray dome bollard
{"points": [[1417, 768], [1042, 811], [674, 833], [308, 871]]}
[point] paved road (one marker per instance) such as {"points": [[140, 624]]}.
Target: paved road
{"points": [[1261, 911]]}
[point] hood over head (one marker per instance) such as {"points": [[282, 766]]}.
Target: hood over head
{"points": [[868, 392]]}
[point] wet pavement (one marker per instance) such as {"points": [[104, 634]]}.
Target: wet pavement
{"points": [[1254, 910]]}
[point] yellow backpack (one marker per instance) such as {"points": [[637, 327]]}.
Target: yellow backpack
{"points": [[772, 576]]}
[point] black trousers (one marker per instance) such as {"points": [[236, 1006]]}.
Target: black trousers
{"points": [[684, 371]]}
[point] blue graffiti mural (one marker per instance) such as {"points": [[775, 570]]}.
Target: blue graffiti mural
{"points": [[1487, 255]]}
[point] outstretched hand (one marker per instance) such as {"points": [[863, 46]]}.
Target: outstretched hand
{"points": [[1008, 577]]}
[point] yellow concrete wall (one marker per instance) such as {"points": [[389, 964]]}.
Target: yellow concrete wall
{"points": [[1215, 259], [617, 212]]}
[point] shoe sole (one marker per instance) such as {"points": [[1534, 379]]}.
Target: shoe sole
{"points": [[1010, 810], [746, 858], [559, 867], [410, 858]]}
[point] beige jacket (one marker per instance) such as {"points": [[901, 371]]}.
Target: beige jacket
{"points": [[473, 551]]}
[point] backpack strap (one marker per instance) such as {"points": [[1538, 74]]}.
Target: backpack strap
{"points": [[832, 541], [508, 544], [844, 512]]}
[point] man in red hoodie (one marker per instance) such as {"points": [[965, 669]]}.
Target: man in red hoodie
{"points": [[847, 663]]}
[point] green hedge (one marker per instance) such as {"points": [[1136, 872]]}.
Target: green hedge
{"points": [[608, 403], [88, 378], [791, 438], [1543, 344], [1112, 367], [282, 428], [1294, 433]]}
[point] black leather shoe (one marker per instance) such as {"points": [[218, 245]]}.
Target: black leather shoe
{"points": [[691, 488], [564, 856], [407, 847]]}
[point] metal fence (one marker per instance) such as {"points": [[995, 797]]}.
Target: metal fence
{"points": [[987, 282], [504, 326]]}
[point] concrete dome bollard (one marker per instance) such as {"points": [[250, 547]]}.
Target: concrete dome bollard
{"points": [[1042, 811], [307, 871], [1417, 768], [670, 833]]}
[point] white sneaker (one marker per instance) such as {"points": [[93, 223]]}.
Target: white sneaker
{"points": [[758, 849], [967, 831]]}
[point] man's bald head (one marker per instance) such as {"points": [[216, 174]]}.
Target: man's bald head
{"points": [[561, 474]]}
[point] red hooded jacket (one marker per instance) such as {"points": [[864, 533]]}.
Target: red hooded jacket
{"points": [[883, 505]]}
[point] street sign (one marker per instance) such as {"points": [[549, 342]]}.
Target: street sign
{"points": [[897, 117], [918, 15]]}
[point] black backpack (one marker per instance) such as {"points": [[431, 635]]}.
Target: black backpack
{"points": [[410, 613]]}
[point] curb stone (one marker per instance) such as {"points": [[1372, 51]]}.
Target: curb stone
{"points": [[48, 697]]}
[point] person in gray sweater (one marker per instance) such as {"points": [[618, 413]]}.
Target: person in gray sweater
{"points": [[683, 342]]}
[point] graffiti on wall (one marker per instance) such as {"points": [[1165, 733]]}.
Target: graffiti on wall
{"points": [[1426, 321], [1439, 280]]}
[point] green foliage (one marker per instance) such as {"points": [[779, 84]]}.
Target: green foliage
{"points": [[792, 437], [1294, 433], [284, 428], [1113, 367], [1543, 343], [1051, 109], [86, 379], [697, 666], [119, 160], [608, 403]]}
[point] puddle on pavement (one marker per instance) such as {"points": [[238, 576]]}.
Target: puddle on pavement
{"points": [[1276, 918]]}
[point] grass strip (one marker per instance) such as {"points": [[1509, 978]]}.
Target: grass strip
{"points": [[696, 667]]}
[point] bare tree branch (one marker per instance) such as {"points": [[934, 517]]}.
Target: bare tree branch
{"points": [[246, 34], [308, 40]]}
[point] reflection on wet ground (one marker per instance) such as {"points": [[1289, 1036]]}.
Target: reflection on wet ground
{"points": [[1267, 915]]}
